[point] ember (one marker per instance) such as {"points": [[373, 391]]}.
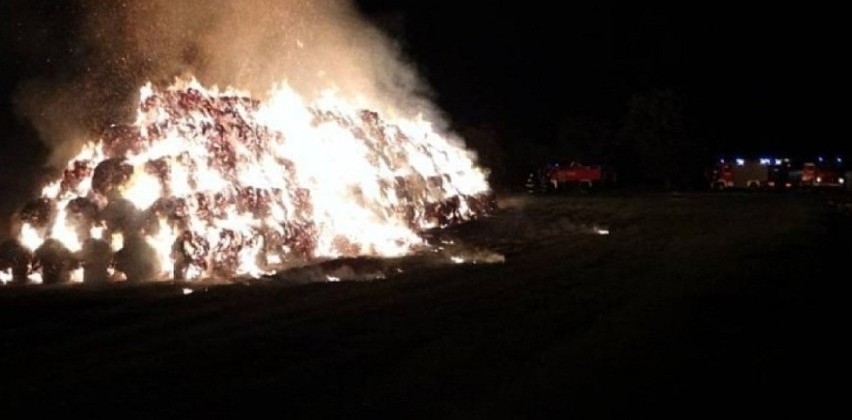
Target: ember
{"points": [[217, 184]]}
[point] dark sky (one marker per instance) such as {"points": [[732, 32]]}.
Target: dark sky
{"points": [[753, 79]]}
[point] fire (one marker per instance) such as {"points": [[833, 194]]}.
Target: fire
{"points": [[210, 183], [5, 276], [36, 278]]}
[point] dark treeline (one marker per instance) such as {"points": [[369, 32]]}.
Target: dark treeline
{"points": [[649, 144]]}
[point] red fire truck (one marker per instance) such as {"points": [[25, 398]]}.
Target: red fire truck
{"points": [[740, 173], [777, 174], [823, 174], [565, 177]]}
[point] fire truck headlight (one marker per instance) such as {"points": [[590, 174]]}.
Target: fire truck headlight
{"points": [[841, 180], [819, 179]]}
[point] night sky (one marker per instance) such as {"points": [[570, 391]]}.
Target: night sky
{"points": [[752, 79]]}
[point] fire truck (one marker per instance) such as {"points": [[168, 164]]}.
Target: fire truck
{"points": [[740, 173], [753, 174], [768, 173], [565, 177], [822, 173]]}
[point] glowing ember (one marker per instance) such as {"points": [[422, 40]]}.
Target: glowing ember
{"points": [[217, 184]]}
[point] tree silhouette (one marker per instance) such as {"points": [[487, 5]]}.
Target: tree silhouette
{"points": [[655, 147]]}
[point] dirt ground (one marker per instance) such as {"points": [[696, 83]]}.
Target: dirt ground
{"points": [[610, 305]]}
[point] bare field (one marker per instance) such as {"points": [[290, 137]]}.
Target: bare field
{"points": [[605, 305]]}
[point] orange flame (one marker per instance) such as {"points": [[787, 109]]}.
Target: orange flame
{"points": [[219, 184]]}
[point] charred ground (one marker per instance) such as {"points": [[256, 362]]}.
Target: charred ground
{"points": [[693, 304]]}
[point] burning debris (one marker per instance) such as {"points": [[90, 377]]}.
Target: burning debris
{"points": [[209, 184]]}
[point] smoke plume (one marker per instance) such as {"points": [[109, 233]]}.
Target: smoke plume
{"points": [[114, 47]]}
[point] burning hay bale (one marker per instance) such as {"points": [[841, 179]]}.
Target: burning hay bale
{"points": [[96, 257], [217, 184], [77, 172], [55, 261], [189, 253], [39, 213], [120, 140], [110, 175], [121, 215], [137, 259], [15, 260]]}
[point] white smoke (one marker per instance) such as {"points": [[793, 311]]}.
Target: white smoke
{"points": [[252, 45]]}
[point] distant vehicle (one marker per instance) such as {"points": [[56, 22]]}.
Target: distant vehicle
{"points": [[741, 173], [823, 174], [754, 174], [571, 176], [781, 175]]}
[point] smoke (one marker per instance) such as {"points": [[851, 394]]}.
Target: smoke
{"points": [[115, 47]]}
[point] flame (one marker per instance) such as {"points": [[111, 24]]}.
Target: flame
{"points": [[97, 232], [36, 278], [220, 184], [142, 190], [64, 233], [77, 275], [116, 241], [30, 237], [165, 235]]}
